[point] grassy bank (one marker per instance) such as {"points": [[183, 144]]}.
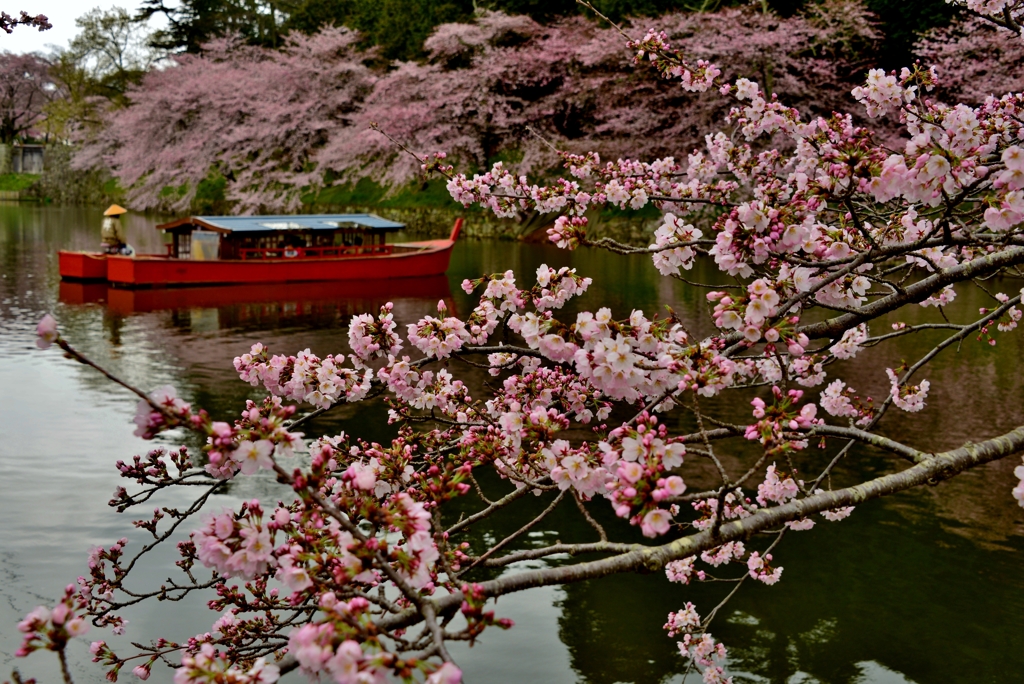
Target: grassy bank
{"points": [[16, 182], [367, 192], [428, 210]]}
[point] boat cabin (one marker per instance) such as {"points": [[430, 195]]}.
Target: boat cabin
{"points": [[304, 236]]}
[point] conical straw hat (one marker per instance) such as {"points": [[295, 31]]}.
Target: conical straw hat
{"points": [[115, 210]]}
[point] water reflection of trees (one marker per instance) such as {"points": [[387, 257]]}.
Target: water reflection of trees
{"points": [[612, 628]]}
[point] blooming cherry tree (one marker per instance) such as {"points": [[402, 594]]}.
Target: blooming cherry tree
{"points": [[817, 232], [484, 87]]}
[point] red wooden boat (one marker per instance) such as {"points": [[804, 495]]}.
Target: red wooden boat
{"points": [[206, 250]]}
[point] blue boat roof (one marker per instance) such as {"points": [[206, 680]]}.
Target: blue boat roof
{"points": [[254, 224]]}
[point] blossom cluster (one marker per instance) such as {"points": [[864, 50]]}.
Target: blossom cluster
{"points": [[304, 376], [51, 628], [669, 258], [707, 652], [774, 420], [439, 337], [840, 401], [210, 666], [163, 409], [884, 92], [236, 546], [910, 398], [313, 645], [644, 457], [371, 337], [250, 443]]}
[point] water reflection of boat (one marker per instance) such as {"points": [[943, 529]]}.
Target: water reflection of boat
{"points": [[206, 250], [286, 299]]}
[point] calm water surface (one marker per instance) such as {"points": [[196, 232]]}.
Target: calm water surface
{"points": [[924, 587]]}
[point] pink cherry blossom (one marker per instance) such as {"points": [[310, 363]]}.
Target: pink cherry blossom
{"points": [[682, 571], [46, 332], [908, 398], [775, 488], [446, 674], [760, 570], [656, 522], [253, 456], [685, 620]]}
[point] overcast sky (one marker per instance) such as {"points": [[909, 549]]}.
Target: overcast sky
{"points": [[62, 14]]}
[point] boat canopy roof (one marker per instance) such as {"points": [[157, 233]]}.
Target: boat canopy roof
{"points": [[263, 224]]}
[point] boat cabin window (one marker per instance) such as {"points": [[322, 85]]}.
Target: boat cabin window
{"points": [[286, 242], [205, 245], [183, 244]]}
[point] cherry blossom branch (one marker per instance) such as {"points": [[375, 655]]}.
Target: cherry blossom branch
{"points": [[84, 360], [408, 591], [919, 291], [515, 535], [40, 21], [570, 549], [514, 495], [940, 467], [908, 453], [1003, 17], [589, 518], [964, 331], [835, 225]]}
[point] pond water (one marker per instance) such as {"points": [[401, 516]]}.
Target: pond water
{"points": [[922, 587]]}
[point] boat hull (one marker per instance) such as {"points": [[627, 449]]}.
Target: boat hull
{"points": [[82, 265], [408, 261]]}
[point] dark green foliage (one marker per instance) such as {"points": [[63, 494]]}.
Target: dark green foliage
{"points": [[311, 15], [365, 192], [192, 24], [195, 22], [541, 10], [210, 194], [616, 10], [903, 22], [398, 27]]}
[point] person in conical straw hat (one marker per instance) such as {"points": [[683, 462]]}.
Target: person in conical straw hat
{"points": [[112, 233]]}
